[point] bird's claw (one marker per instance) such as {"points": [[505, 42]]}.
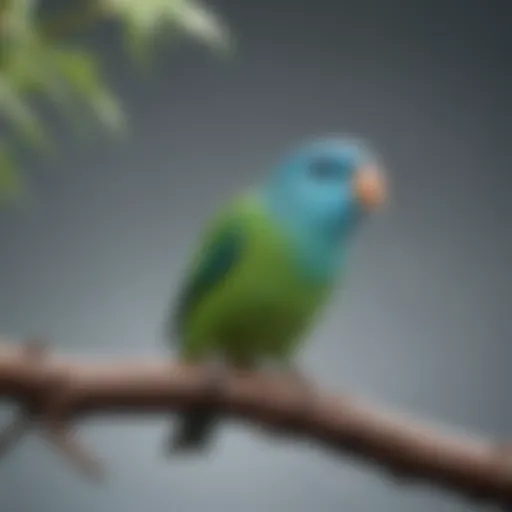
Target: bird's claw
{"points": [[212, 387]]}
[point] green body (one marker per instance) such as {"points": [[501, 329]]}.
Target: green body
{"points": [[256, 302]]}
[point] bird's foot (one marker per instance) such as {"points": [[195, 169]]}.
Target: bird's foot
{"points": [[212, 386]]}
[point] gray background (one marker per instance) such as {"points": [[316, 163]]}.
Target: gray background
{"points": [[424, 322]]}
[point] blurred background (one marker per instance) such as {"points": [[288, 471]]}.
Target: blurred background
{"points": [[98, 218]]}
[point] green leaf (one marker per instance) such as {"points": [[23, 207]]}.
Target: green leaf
{"points": [[17, 17], [145, 20], [201, 23], [67, 77], [11, 182], [17, 111], [79, 72]]}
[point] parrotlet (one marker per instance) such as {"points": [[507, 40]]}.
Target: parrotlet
{"points": [[268, 262]]}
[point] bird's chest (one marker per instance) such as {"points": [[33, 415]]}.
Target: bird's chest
{"points": [[269, 301], [265, 317], [273, 299]]}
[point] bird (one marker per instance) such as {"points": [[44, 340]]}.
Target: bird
{"points": [[267, 264]]}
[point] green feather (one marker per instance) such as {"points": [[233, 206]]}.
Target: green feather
{"points": [[246, 296], [216, 261]]}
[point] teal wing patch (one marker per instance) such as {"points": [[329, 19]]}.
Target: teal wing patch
{"points": [[219, 258]]}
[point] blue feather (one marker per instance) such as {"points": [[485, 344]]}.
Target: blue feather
{"points": [[310, 194]]}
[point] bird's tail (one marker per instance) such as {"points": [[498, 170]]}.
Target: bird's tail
{"points": [[194, 431]]}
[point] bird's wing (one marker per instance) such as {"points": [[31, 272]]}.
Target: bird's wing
{"points": [[218, 255]]}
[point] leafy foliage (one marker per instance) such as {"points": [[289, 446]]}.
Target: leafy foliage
{"points": [[35, 63], [143, 21]]}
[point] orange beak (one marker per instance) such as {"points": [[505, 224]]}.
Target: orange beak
{"points": [[370, 187]]}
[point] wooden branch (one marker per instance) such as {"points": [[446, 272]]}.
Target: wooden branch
{"points": [[54, 391]]}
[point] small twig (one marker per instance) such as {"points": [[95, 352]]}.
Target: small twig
{"points": [[47, 408], [14, 432], [62, 437], [22, 423]]}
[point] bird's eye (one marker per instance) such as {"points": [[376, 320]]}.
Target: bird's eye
{"points": [[325, 168]]}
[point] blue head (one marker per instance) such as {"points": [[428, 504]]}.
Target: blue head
{"points": [[323, 189]]}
